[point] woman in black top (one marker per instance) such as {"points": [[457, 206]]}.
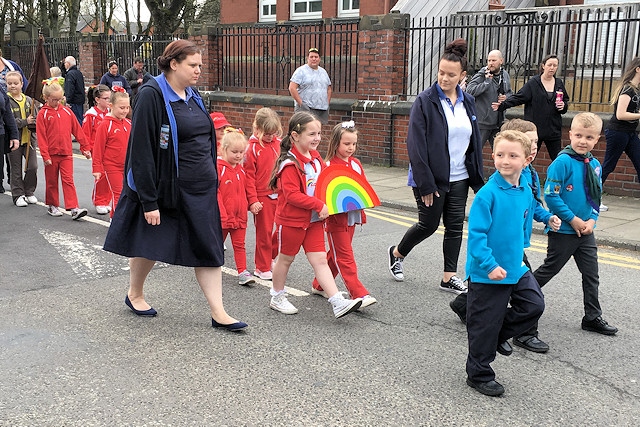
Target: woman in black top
{"points": [[621, 132], [169, 210], [542, 104]]}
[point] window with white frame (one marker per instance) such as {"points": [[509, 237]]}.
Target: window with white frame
{"points": [[306, 9], [267, 10], [348, 8]]}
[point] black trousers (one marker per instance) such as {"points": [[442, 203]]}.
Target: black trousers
{"points": [[450, 207], [554, 145], [488, 135], [490, 320]]}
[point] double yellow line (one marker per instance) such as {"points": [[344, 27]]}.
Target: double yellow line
{"points": [[537, 245]]}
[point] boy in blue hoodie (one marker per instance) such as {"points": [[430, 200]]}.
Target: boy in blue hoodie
{"points": [[573, 191], [495, 269]]}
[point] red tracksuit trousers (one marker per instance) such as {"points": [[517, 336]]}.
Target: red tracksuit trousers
{"points": [[266, 243], [342, 261], [61, 165]]}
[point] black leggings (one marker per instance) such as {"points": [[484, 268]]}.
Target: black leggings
{"points": [[451, 208]]}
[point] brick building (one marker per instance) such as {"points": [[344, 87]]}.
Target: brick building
{"points": [[250, 11]]}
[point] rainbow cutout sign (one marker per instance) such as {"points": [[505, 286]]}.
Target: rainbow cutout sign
{"points": [[343, 189]]}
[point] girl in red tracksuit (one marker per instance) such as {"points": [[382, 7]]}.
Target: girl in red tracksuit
{"points": [[260, 158], [233, 198], [110, 146], [98, 98], [54, 126], [300, 214], [341, 227]]}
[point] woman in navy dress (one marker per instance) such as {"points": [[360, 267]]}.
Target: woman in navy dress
{"points": [[168, 210]]}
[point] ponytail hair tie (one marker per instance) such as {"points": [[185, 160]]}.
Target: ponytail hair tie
{"points": [[118, 89], [50, 81]]}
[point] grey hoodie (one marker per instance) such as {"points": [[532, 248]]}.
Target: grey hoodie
{"points": [[485, 92]]}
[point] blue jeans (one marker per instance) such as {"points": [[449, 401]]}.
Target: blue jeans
{"points": [[617, 143]]}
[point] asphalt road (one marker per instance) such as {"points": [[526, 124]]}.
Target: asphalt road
{"points": [[71, 353]]}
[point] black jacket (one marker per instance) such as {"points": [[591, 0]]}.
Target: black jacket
{"points": [[150, 168], [74, 86], [7, 121], [538, 108]]}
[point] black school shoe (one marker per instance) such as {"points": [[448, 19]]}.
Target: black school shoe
{"points": [[531, 343], [504, 348], [599, 325], [489, 388]]}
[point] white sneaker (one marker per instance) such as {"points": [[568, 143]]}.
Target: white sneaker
{"points": [[103, 210], [245, 278], [367, 300], [264, 275], [32, 200], [21, 202], [281, 303], [54, 211], [77, 213], [342, 307], [603, 208]]}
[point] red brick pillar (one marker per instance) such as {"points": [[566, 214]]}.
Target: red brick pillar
{"points": [[382, 57], [90, 61], [208, 43]]}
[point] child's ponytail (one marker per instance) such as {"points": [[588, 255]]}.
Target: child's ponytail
{"points": [[297, 124]]}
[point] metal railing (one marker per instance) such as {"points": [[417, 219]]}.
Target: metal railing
{"points": [[593, 45], [120, 48], [262, 57], [123, 48], [56, 49]]}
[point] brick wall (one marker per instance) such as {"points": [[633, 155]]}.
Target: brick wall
{"points": [[381, 118]]}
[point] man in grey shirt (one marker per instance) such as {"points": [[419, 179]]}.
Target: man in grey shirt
{"points": [[490, 84], [310, 87]]}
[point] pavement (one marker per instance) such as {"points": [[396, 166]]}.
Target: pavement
{"points": [[618, 227]]}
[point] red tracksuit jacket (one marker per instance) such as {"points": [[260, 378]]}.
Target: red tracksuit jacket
{"points": [[296, 201], [110, 145], [54, 127], [232, 195], [258, 164]]}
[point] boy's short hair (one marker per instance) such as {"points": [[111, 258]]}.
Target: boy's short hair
{"points": [[587, 120], [520, 125], [514, 136]]}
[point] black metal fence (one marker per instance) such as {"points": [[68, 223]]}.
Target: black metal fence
{"points": [[593, 45], [56, 49], [123, 48], [262, 57], [120, 48]]}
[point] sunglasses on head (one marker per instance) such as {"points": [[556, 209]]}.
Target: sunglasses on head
{"points": [[313, 49]]}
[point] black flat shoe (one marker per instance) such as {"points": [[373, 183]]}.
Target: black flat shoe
{"points": [[531, 343], [234, 327], [599, 325], [149, 313], [504, 348], [489, 388]]}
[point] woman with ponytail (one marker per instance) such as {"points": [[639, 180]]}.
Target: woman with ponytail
{"points": [[621, 131], [445, 151]]}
